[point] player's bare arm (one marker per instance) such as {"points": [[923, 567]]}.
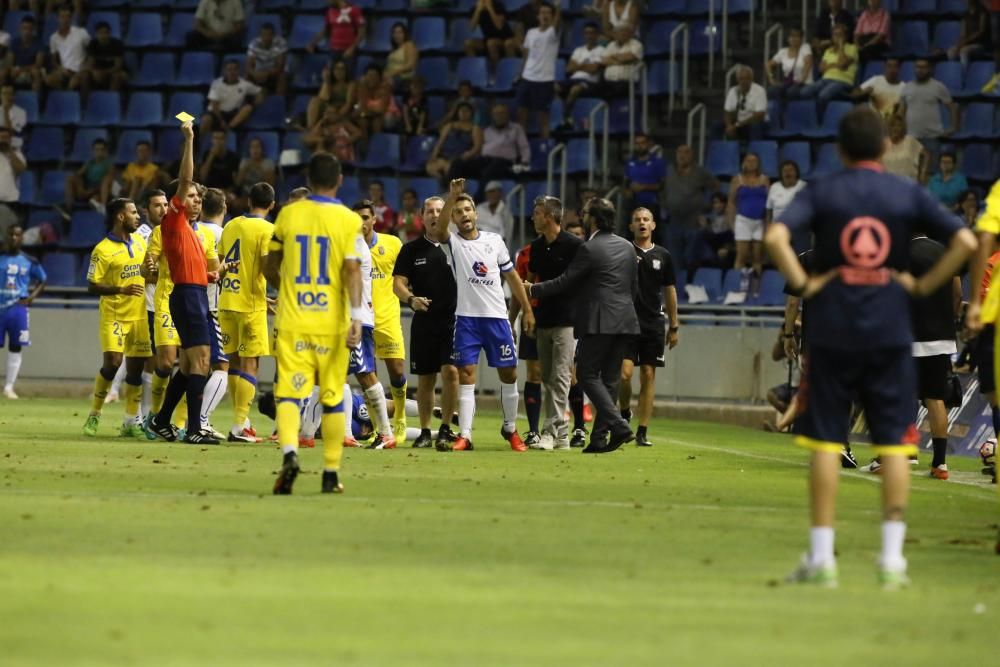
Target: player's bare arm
{"points": [[670, 300], [272, 268], [111, 290], [521, 297], [186, 175], [350, 274]]}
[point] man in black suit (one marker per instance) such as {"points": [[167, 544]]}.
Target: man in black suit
{"points": [[603, 277]]}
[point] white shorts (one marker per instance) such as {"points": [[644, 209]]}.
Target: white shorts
{"points": [[748, 229]]}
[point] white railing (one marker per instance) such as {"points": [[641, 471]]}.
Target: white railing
{"points": [[517, 214], [560, 149], [698, 111], [592, 159], [682, 28], [778, 29], [730, 75], [644, 84], [710, 30]]}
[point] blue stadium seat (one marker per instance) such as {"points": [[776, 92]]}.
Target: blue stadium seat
{"points": [[618, 115], [873, 68], [269, 115], [168, 146], [767, 151], [350, 190], [907, 70], [540, 153], [472, 69], [292, 141], [772, 289], [28, 100], [911, 39], [581, 113], [665, 7], [699, 39], [308, 71], [61, 108], [127, 142], [800, 153], [205, 141], [950, 74], [83, 141], [731, 282], [827, 162], [436, 72], [60, 268], [418, 151], [379, 39], [304, 28], [831, 120], [390, 189], [383, 152], [26, 187], [300, 105], [437, 107], [429, 33], [946, 35], [800, 118], [180, 25], [48, 27], [507, 70], [104, 109], [113, 19], [532, 191], [12, 22], [425, 187], [53, 187], [658, 79], [105, 4], [42, 216], [145, 109], [153, 4], [155, 70], [313, 5], [270, 142], [144, 30], [977, 162], [193, 103], [257, 21], [951, 7], [977, 76], [578, 156], [917, 7], [197, 68], [723, 158], [458, 34], [978, 122], [46, 144], [277, 4], [86, 229], [700, 8], [711, 280]]}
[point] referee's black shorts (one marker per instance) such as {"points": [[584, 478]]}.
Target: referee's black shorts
{"points": [[932, 377], [984, 359], [431, 340]]}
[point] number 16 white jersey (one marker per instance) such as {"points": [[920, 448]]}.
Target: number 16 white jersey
{"points": [[478, 264], [361, 248]]}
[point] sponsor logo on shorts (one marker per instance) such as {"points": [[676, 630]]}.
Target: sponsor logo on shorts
{"points": [[305, 345]]}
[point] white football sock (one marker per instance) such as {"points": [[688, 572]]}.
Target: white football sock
{"points": [[411, 409], [893, 535], [116, 384], [348, 402], [13, 368], [821, 546], [509, 399], [375, 396], [312, 414], [147, 394], [466, 408], [215, 391], [412, 433]]}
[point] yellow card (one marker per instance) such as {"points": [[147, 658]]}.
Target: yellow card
{"points": [[184, 117]]}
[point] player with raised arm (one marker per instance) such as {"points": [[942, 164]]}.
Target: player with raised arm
{"points": [[23, 279], [479, 260], [313, 261], [858, 338], [114, 275]]}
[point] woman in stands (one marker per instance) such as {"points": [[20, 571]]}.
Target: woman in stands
{"points": [[376, 108], [747, 209], [974, 35], [337, 91], [781, 195], [790, 68], [905, 156], [968, 208], [461, 139], [255, 168], [401, 63], [872, 31]]}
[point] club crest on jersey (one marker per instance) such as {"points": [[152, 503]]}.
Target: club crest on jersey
{"points": [[479, 268], [381, 250], [298, 381], [481, 271], [656, 264]]}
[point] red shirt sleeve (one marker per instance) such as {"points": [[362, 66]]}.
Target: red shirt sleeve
{"points": [[176, 216]]}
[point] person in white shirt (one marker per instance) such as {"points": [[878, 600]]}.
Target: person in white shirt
{"points": [[621, 61], [68, 46], [884, 91], [746, 107], [790, 68], [536, 88], [218, 24], [231, 100], [493, 214], [482, 264], [780, 196], [12, 163], [585, 68], [12, 117]]}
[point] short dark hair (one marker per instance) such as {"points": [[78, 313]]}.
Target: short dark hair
{"points": [[64, 8], [362, 204], [573, 224], [143, 142], [718, 196], [409, 191], [790, 163], [28, 18], [945, 154], [861, 134], [213, 203], [400, 24], [376, 182], [231, 61], [148, 195], [116, 206], [547, 5], [299, 193], [102, 24], [323, 172], [268, 26], [465, 196], [603, 212], [591, 24], [99, 142], [261, 195]]}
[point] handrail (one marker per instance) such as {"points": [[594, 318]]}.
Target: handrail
{"points": [[763, 13], [517, 190], [711, 32], [559, 149], [725, 31], [776, 28], [697, 110], [631, 103], [614, 195], [685, 29], [602, 106], [730, 73]]}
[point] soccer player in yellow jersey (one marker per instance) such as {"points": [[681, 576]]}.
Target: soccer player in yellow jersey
{"points": [[114, 275], [313, 261], [243, 304]]}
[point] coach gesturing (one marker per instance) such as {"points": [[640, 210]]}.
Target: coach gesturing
{"points": [[603, 277]]}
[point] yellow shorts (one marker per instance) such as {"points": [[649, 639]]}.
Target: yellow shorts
{"points": [[245, 334], [304, 358], [164, 333], [389, 342], [129, 337]]}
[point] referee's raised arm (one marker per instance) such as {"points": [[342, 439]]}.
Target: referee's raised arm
{"points": [[186, 175]]}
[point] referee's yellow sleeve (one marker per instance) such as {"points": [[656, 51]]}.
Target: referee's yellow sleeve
{"points": [[989, 222]]}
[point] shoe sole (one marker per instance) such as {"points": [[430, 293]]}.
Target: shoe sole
{"points": [[286, 479]]}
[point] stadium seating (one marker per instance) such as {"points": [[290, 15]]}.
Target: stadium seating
{"points": [[798, 152], [711, 280], [429, 34], [144, 110], [978, 122], [723, 158], [977, 76], [104, 109], [425, 187], [61, 269], [379, 38], [268, 114], [127, 142], [26, 185], [197, 68], [471, 69], [418, 151], [180, 25], [155, 70], [827, 162], [767, 151], [507, 70], [799, 119], [83, 143], [61, 108], [113, 19], [436, 72], [28, 100], [270, 142], [831, 119], [772, 290], [193, 103], [304, 28], [144, 30], [977, 162], [86, 229], [47, 144], [910, 39], [382, 153]]}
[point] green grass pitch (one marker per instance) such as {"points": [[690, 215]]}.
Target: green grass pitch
{"points": [[136, 553]]}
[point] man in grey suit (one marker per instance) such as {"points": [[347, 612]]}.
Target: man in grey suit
{"points": [[603, 276]]}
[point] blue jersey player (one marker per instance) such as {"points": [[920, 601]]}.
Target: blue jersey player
{"points": [[857, 339], [22, 279]]}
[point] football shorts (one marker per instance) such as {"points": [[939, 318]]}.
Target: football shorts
{"points": [[431, 339], [648, 349], [304, 358], [14, 326], [490, 334], [128, 337], [245, 334], [189, 309], [363, 356], [164, 332], [985, 344], [527, 347], [933, 375], [389, 343]]}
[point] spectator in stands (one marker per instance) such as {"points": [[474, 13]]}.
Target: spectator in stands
{"points": [[968, 208], [790, 68], [385, 216], [219, 165], [883, 91], [12, 163], [921, 102], [974, 36], [334, 133], [839, 67], [68, 46], [415, 108], [401, 63], [461, 139], [747, 210], [338, 91], [584, 68], [410, 222], [466, 94], [231, 100], [266, 60], [28, 68], [781, 195], [746, 107], [525, 19], [92, 182], [218, 24], [571, 216], [12, 117], [688, 185], [376, 109], [6, 56], [493, 215], [717, 231], [490, 16], [254, 168], [905, 156], [832, 16], [872, 34], [949, 183], [104, 67], [617, 15], [645, 175], [621, 62], [141, 174], [536, 88], [39, 8], [505, 146], [344, 28]]}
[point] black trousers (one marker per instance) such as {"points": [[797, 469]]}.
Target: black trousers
{"points": [[598, 370]]}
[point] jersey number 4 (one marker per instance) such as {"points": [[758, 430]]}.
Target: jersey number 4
{"points": [[304, 276], [233, 256]]}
